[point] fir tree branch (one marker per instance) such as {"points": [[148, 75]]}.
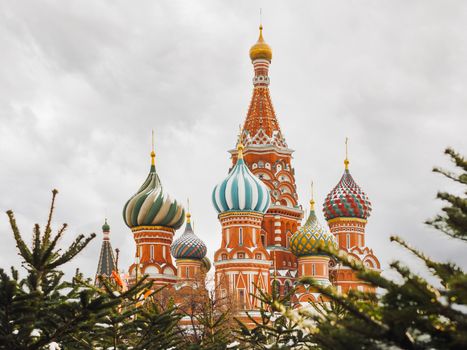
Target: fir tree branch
{"points": [[48, 227], [22, 247]]}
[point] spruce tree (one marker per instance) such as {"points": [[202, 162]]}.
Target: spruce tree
{"points": [[115, 327], [42, 308]]}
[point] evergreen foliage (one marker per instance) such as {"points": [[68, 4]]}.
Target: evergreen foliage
{"points": [[210, 316], [42, 309]]}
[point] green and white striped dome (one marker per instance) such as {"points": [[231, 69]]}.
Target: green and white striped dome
{"points": [[150, 206]]}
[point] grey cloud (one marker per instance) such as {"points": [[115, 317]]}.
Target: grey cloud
{"points": [[82, 85]]}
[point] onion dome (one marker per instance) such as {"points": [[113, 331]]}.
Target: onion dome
{"points": [[106, 227], [150, 206], [347, 200], [206, 264], [310, 236], [261, 50], [188, 245], [241, 190]]}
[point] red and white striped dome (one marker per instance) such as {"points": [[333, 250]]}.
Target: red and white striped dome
{"points": [[347, 200]]}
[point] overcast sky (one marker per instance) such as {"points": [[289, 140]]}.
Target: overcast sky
{"points": [[83, 83]]}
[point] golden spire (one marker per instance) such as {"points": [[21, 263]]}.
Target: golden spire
{"points": [[153, 154], [188, 215], [346, 161], [240, 146], [312, 201]]}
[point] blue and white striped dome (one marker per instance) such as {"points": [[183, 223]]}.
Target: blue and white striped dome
{"points": [[241, 190], [188, 245]]}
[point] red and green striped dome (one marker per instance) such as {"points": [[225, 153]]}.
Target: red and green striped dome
{"points": [[347, 200]]}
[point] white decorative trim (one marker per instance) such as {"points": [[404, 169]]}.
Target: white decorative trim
{"points": [[243, 261], [162, 276]]}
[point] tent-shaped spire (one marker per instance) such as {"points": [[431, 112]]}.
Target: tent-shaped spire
{"points": [[106, 258], [261, 126]]}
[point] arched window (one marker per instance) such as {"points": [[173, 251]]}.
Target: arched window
{"points": [[263, 240], [240, 236], [260, 164], [151, 252], [347, 240], [224, 257], [313, 269]]}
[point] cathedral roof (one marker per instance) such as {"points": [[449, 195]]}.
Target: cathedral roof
{"points": [[150, 206], [106, 258], [241, 190], [261, 50], [261, 126], [310, 236], [347, 200], [188, 245], [105, 227]]}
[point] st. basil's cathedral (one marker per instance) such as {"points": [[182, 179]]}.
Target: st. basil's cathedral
{"points": [[262, 244]]}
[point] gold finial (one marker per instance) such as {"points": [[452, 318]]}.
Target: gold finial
{"points": [[153, 154], [188, 215], [346, 161], [240, 146], [312, 201]]}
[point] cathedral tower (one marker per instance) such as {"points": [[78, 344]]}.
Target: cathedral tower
{"points": [[346, 210], [267, 155], [106, 258], [153, 216], [190, 254], [242, 262], [311, 262]]}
